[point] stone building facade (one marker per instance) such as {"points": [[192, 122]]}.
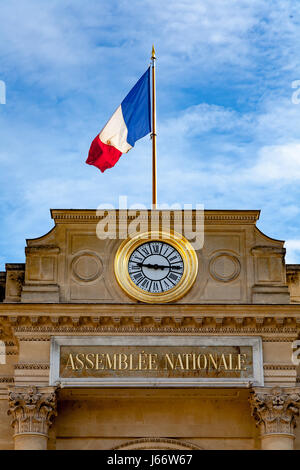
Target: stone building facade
{"points": [[68, 289]]}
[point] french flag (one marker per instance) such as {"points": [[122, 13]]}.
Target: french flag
{"points": [[129, 123]]}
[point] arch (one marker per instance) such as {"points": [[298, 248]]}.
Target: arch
{"points": [[157, 443]]}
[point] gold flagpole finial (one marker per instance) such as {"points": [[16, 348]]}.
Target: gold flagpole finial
{"points": [[153, 53]]}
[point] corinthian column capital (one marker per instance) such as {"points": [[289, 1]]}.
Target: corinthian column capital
{"points": [[275, 409], [32, 409]]}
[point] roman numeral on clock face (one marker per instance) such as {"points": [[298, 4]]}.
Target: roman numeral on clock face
{"points": [[133, 268], [145, 250], [144, 284], [167, 284], [138, 277], [156, 247], [136, 257], [173, 277], [156, 287]]}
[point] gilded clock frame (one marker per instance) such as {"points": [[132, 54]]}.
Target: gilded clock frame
{"points": [[180, 243]]}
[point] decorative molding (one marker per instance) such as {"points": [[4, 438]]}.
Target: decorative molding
{"points": [[32, 409], [62, 309], [265, 323], [34, 338], [136, 327], [279, 367], [233, 217], [275, 410], [277, 339], [7, 380], [33, 366], [157, 443]]}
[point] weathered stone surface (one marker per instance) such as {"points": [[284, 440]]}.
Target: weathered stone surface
{"points": [[237, 264], [68, 288], [293, 280]]}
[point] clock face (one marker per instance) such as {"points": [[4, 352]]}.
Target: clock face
{"points": [[155, 267]]}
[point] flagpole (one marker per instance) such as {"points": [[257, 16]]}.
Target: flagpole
{"points": [[153, 135]]}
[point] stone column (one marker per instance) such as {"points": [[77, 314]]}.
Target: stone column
{"points": [[275, 411], [32, 410]]}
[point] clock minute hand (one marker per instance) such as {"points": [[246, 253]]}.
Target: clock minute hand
{"points": [[157, 266]]}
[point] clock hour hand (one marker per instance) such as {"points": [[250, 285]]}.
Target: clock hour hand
{"points": [[157, 266], [151, 266]]}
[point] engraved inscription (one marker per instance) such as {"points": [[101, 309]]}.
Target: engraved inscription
{"points": [[156, 361]]}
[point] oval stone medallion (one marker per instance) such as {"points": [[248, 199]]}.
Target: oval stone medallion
{"points": [[87, 267], [225, 267]]}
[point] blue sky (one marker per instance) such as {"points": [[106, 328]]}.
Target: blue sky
{"points": [[229, 132]]}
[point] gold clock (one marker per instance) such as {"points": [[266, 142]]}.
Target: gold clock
{"points": [[156, 267]]}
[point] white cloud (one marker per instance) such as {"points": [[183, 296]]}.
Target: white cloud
{"points": [[240, 139], [278, 162], [200, 119], [241, 152], [58, 42], [292, 251]]}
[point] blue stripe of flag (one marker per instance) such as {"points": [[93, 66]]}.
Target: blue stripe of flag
{"points": [[136, 109]]}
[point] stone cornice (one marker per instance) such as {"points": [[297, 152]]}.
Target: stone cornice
{"points": [[293, 267], [247, 318], [210, 216], [42, 249], [125, 309], [268, 251], [268, 320], [43, 333], [15, 266]]}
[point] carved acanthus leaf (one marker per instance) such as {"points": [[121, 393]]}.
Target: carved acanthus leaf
{"points": [[32, 409], [275, 410]]}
